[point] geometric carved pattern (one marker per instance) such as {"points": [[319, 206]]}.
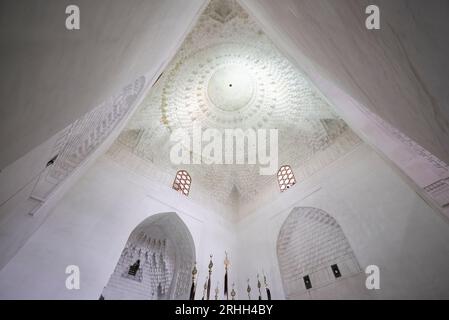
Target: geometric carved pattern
{"points": [[147, 261], [310, 244], [286, 179], [222, 11], [84, 136], [439, 191], [93, 128], [182, 182], [418, 149]]}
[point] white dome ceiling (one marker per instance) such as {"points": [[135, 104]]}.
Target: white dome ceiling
{"points": [[228, 74], [230, 88]]}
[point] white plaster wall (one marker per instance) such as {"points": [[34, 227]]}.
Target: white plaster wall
{"points": [[90, 226], [385, 221], [399, 72], [18, 179], [416, 163], [52, 76], [373, 78]]}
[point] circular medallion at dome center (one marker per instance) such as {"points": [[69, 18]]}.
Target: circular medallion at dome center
{"points": [[230, 88]]}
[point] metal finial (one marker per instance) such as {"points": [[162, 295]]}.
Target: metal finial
{"points": [[233, 292], [226, 260], [194, 271], [211, 264], [205, 288], [216, 292]]}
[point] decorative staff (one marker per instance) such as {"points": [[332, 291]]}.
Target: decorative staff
{"points": [[204, 288], [258, 286], [248, 289], [216, 291], [233, 292], [226, 263], [210, 274], [266, 287], [193, 288]]}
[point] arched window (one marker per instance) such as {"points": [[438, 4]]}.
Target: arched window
{"points": [[182, 182], [286, 178]]}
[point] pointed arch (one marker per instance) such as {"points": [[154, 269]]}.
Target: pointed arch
{"points": [[156, 261], [313, 252]]}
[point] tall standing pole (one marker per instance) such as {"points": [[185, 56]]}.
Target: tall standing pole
{"points": [[210, 274], [266, 287], [216, 291], [204, 289], [226, 263], [248, 289], [193, 288]]}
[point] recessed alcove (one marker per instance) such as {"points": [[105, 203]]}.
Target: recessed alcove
{"points": [[155, 263]]}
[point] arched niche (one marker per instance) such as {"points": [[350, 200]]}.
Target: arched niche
{"points": [[156, 262], [313, 253]]}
